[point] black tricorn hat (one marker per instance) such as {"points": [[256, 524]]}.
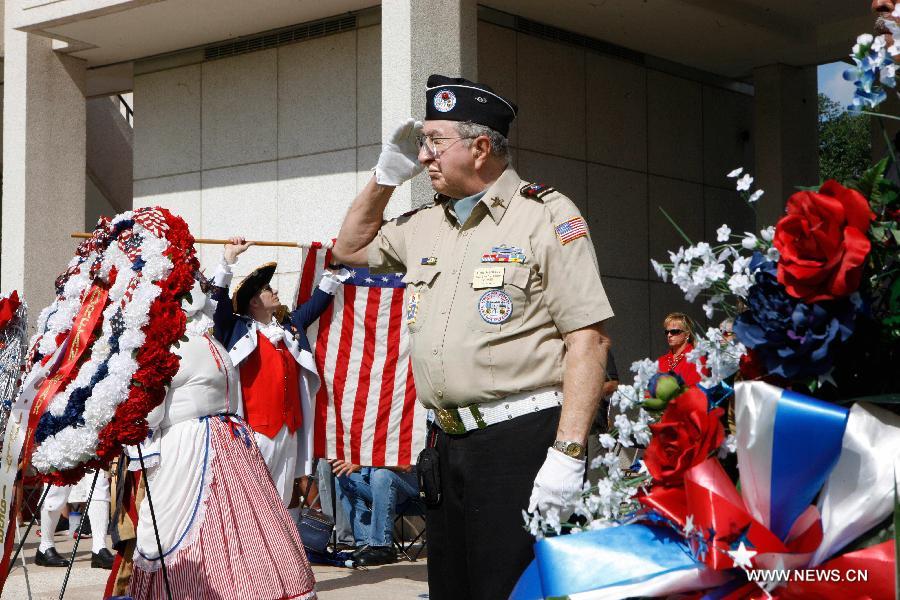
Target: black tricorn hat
{"points": [[458, 99], [251, 285]]}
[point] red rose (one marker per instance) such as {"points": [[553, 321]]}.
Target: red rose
{"points": [[685, 436], [823, 243]]}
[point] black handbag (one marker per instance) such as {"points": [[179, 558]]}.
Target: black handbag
{"points": [[428, 470], [315, 529], [315, 526]]}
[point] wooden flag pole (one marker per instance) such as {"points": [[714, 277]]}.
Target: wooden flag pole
{"points": [[220, 242]]}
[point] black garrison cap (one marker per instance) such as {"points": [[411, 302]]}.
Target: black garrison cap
{"points": [[458, 99]]}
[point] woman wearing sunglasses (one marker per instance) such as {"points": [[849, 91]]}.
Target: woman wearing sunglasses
{"points": [[680, 338]]}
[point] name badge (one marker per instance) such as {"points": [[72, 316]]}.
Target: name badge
{"points": [[488, 277]]}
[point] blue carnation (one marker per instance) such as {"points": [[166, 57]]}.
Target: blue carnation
{"points": [[793, 339]]}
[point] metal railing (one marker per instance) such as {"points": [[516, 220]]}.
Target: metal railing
{"points": [[128, 111]]}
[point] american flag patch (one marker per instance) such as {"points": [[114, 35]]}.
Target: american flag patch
{"points": [[572, 229]]}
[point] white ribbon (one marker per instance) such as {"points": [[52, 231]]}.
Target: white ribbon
{"points": [[859, 493]]}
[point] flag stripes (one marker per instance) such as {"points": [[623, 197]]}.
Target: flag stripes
{"points": [[366, 410]]}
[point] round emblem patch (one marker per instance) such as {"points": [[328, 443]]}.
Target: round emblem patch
{"points": [[495, 306], [444, 100]]}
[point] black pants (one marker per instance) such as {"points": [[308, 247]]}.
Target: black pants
{"points": [[477, 543]]}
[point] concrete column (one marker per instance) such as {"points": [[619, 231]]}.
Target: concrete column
{"points": [[418, 38], [786, 140], [43, 164]]}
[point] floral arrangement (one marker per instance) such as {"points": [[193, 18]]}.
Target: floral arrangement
{"points": [[815, 303], [109, 332]]}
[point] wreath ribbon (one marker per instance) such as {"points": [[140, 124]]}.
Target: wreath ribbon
{"points": [[75, 346]]}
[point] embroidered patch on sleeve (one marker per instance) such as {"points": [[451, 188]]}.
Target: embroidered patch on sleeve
{"points": [[571, 230]]}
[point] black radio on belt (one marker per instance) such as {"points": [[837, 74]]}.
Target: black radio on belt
{"points": [[428, 470]]}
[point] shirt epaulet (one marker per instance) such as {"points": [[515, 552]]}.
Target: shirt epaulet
{"points": [[536, 191]]}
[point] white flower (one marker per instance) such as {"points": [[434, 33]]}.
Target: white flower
{"points": [[736, 172], [740, 284], [729, 446], [768, 234], [755, 196], [551, 519], [643, 371], [740, 264], [722, 233], [660, 270], [726, 253], [773, 254], [879, 44], [744, 183], [624, 425], [721, 357], [701, 250], [624, 397], [607, 441], [749, 242], [865, 39], [710, 305]]}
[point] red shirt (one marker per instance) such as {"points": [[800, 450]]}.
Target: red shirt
{"points": [[270, 383], [684, 368]]}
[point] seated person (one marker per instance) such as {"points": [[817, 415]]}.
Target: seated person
{"points": [[370, 497]]}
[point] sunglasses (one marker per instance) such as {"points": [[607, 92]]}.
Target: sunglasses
{"points": [[673, 331]]}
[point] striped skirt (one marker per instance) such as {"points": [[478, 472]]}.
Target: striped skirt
{"points": [[246, 544]]}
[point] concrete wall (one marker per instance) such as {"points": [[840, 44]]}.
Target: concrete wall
{"points": [[622, 140], [275, 144], [109, 160], [272, 145], [96, 204]]}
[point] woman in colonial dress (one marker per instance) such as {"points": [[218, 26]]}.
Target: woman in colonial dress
{"points": [[224, 530]]}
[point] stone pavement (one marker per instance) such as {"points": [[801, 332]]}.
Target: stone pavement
{"points": [[404, 580]]}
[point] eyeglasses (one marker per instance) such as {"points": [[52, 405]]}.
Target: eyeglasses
{"points": [[673, 331], [435, 146]]}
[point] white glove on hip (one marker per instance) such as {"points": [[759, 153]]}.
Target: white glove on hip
{"points": [[399, 160], [557, 485]]}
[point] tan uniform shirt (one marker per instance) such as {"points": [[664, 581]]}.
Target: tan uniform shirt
{"points": [[481, 331]]}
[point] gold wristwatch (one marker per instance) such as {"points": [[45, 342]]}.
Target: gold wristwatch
{"points": [[573, 449]]}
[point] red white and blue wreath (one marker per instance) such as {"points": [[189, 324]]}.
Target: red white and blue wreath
{"points": [[135, 268]]}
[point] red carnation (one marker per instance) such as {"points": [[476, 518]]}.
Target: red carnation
{"points": [[823, 243], [685, 436], [8, 308]]}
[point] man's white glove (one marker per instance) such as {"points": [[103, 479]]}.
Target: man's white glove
{"points": [[399, 160], [557, 485]]}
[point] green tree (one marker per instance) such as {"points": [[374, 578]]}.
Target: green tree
{"points": [[845, 145]]}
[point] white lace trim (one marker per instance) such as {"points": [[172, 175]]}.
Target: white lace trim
{"points": [[273, 331], [200, 323]]}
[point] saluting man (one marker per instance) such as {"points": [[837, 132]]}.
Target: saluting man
{"points": [[505, 310], [279, 379]]}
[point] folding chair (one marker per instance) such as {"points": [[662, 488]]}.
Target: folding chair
{"points": [[411, 508]]}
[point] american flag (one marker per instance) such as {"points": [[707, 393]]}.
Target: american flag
{"points": [[366, 410], [572, 229]]}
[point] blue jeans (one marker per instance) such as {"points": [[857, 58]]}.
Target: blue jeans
{"points": [[370, 498]]}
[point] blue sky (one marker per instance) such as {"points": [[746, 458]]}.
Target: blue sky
{"points": [[832, 84]]}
